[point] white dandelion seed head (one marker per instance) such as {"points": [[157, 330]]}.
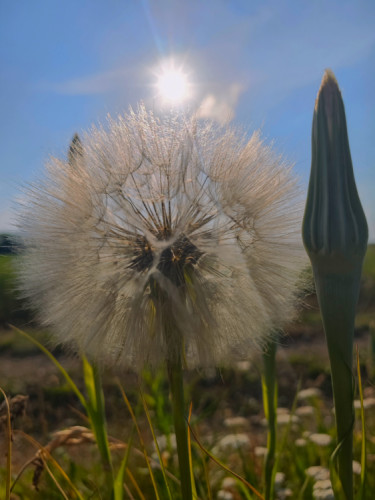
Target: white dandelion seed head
{"points": [[157, 234]]}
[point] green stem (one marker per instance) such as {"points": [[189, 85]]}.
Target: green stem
{"points": [[269, 386], [101, 427], [95, 407], [337, 299], [177, 391], [372, 349]]}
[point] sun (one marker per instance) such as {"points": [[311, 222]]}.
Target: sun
{"points": [[173, 85]]}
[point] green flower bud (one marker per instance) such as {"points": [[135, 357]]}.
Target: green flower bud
{"points": [[334, 229], [335, 237]]}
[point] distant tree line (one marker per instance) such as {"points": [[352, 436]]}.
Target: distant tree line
{"points": [[12, 307], [9, 244]]}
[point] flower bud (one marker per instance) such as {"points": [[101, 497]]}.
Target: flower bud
{"points": [[335, 237], [334, 229]]}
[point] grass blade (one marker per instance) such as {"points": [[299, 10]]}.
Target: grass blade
{"points": [[96, 410], [156, 445], [269, 390], [127, 402], [135, 484], [193, 487], [361, 495], [118, 484]]}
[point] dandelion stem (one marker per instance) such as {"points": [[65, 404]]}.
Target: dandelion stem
{"points": [[177, 391], [269, 387]]}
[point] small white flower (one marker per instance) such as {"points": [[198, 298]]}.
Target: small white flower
{"points": [[305, 411], [282, 411], [321, 439], [158, 234], [224, 495], [300, 443], [279, 479], [164, 442], [310, 393], [228, 482], [322, 489], [231, 442], [284, 493], [285, 419], [260, 451], [235, 422], [357, 468], [317, 472]]}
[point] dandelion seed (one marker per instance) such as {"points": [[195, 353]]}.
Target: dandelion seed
{"points": [[162, 235]]}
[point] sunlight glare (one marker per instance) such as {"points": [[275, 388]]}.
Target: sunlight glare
{"points": [[173, 85]]}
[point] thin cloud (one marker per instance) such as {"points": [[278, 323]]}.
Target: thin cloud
{"points": [[221, 107], [99, 83]]}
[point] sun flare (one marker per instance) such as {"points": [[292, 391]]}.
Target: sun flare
{"points": [[173, 85]]}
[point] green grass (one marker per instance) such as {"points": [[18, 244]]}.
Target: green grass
{"points": [[369, 263]]}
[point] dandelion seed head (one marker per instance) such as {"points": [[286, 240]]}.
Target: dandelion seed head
{"points": [[161, 233]]}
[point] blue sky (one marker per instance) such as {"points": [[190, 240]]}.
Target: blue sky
{"points": [[66, 64]]}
